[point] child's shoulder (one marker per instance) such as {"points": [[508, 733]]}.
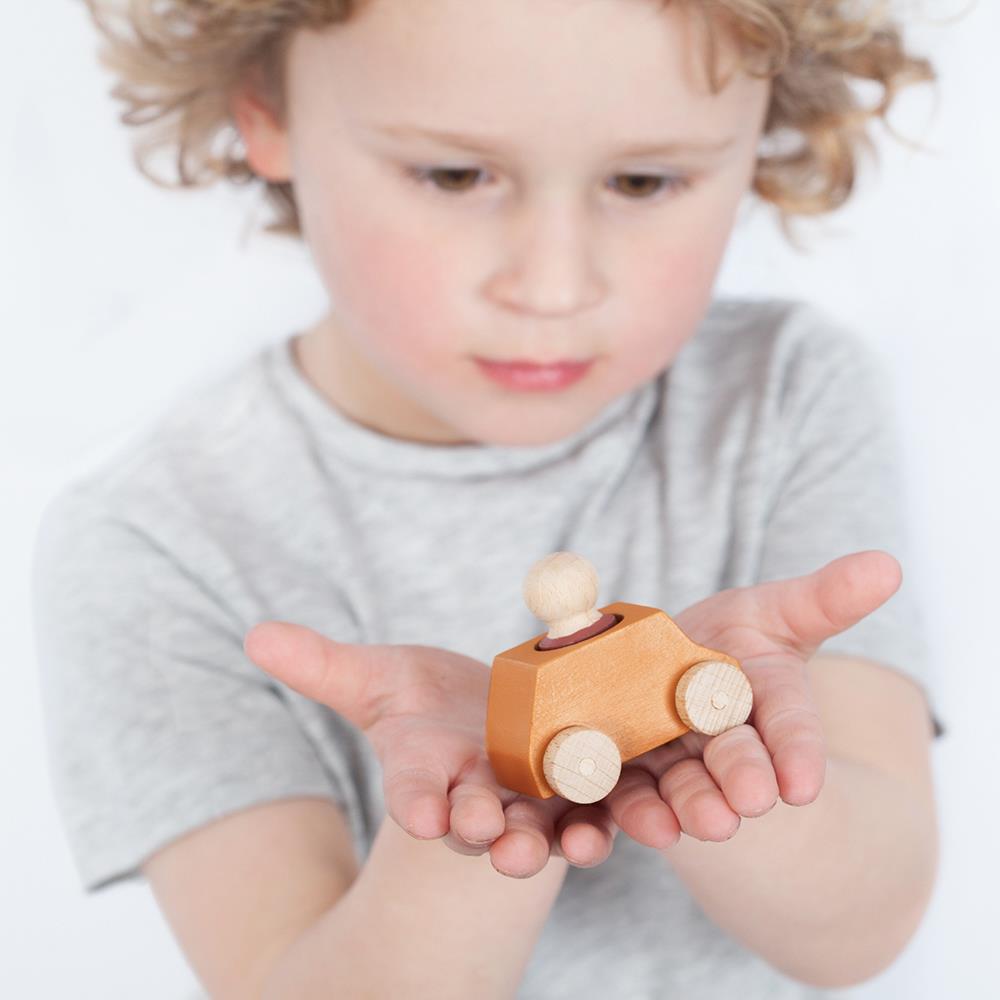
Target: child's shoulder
{"points": [[776, 328], [201, 445], [773, 346]]}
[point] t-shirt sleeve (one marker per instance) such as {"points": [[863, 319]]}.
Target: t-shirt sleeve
{"points": [[840, 490], [156, 721]]}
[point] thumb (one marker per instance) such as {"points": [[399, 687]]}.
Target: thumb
{"points": [[830, 600], [337, 674]]}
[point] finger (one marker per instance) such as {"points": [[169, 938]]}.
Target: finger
{"points": [[697, 802], [524, 848], [586, 835], [805, 611], [477, 817], [415, 785], [637, 808], [741, 766], [337, 674], [788, 721]]}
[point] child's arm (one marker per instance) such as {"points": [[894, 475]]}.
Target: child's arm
{"points": [[830, 881], [830, 892], [421, 921], [269, 903]]}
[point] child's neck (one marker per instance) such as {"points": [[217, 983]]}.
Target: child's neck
{"points": [[326, 357]]}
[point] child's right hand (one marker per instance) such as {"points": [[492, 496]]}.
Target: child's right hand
{"points": [[424, 711]]}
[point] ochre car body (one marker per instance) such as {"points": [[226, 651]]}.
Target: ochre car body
{"points": [[622, 682]]}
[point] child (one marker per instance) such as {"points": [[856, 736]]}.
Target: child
{"points": [[265, 631]]}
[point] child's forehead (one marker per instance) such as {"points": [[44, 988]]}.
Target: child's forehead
{"points": [[637, 62]]}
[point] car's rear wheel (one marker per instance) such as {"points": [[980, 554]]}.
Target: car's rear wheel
{"points": [[713, 696], [582, 764]]}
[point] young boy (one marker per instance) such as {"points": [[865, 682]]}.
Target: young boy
{"points": [[265, 631]]}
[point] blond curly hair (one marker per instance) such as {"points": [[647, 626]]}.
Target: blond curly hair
{"points": [[178, 61]]}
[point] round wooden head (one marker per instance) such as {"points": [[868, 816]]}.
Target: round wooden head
{"points": [[561, 590]]}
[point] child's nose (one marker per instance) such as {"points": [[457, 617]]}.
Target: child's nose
{"points": [[548, 265]]}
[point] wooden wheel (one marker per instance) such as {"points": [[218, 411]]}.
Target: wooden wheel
{"points": [[713, 696], [582, 764]]}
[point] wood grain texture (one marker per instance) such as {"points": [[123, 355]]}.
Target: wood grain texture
{"points": [[561, 590], [621, 682], [581, 764], [713, 696]]}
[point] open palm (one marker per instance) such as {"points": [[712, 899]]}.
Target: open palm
{"points": [[702, 785], [423, 709]]}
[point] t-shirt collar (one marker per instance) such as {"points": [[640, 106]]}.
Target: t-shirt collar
{"points": [[360, 444]]}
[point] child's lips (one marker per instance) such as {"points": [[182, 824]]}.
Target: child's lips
{"points": [[532, 375]]}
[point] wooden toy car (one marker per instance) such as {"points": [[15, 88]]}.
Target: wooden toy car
{"points": [[602, 686]]}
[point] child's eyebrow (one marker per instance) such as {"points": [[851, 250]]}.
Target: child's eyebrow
{"points": [[490, 144]]}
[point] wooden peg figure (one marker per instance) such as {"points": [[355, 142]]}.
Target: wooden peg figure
{"points": [[599, 687]]}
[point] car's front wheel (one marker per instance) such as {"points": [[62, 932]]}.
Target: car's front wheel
{"points": [[713, 696], [582, 764]]}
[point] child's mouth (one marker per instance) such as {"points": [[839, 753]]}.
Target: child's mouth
{"points": [[528, 375]]}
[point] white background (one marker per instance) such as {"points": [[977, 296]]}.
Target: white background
{"points": [[118, 295]]}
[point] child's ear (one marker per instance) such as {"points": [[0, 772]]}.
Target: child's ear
{"points": [[264, 136]]}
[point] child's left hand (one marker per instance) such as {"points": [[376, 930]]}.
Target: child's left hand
{"points": [[702, 785]]}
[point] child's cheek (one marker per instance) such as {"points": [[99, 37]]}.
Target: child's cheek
{"points": [[669, 291], [393, 285]]}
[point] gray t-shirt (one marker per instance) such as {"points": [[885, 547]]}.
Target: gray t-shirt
{"points": [[767, 449]]}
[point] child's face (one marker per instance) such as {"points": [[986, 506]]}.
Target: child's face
{"points": [[553, 244]]}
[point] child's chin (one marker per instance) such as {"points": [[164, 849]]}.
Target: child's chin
{"points": [[531, 433]]}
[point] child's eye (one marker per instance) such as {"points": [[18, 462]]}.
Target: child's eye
{"points": [[638, 187], [639, 184], [451, 176]]}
